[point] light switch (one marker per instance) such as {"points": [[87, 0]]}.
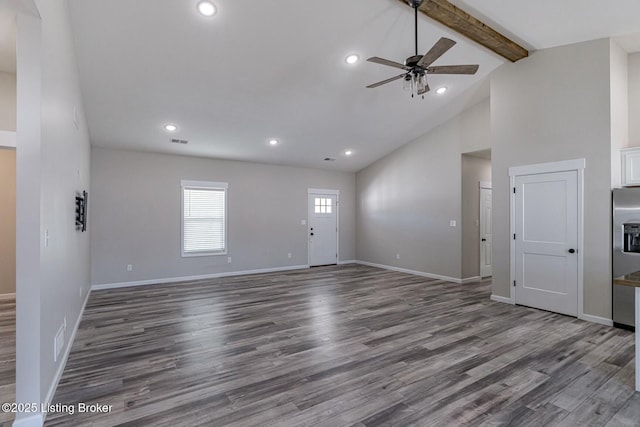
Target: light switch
{"points": [[452, 223], [303, 222]]}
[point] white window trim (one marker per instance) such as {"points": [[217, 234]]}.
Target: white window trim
{"points": [[210, 185]]}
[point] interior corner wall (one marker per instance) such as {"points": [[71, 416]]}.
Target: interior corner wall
{"points": [[474, 170], [619, 87], [552, 106], [406, 200], [136, 215], [634, 99], [8, 223]]}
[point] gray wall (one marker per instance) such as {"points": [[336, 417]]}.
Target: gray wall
{"points": [[474, 170], [8, 223], [135, 215], [555, 105], [52, 280], [634, 99], [406, 199], [7, 101]]}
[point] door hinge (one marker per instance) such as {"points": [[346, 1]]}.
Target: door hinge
{"points": [[514, 236], [514, 283]]}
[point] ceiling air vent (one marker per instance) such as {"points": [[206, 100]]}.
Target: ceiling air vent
{"points": [[329, 159], [179, 141]]}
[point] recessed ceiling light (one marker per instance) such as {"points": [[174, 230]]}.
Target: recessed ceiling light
{"points": [[348, 153], [352, 59], [206, 8], [441, 90], [169, 127], [273, 142]]}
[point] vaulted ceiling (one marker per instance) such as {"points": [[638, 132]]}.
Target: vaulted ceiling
{"points": [[259, 70]]}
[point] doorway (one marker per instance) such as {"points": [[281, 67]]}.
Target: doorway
{"points": [[323, 227], [546, 248], [476, 175], [486, 238]]}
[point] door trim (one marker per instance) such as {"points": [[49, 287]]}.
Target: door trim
{"points": [[577, 165], [331, 192], [484, 185]]}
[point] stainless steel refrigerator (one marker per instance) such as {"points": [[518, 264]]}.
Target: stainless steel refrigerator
{"points": [[626, 251]]}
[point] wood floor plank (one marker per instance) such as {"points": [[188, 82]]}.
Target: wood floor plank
{"points": [[340, 346]]}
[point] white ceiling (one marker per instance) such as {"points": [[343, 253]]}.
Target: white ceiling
{"points": [[7, 38], [262, 69]]}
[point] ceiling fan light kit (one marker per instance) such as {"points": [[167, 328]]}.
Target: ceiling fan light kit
{"points": [[417, 67]]}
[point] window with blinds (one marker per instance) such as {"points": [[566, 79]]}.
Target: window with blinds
{"points": [[204, 218]]}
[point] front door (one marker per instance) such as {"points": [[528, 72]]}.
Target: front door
{"points": [[323, 229], [546, 238], [485, 232]]}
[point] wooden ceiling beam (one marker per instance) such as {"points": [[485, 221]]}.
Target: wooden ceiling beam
{"points": [[460, 21]]}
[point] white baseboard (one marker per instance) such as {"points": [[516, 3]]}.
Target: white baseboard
{"points": [[498, 298], [63, 362], [351, 261], [192, 278], [34, 420], [8, 297], [471, 279], [597, 319], [414, 272]]}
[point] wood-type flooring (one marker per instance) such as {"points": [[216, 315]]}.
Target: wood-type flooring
{"points": [[7, 357], [341, 346]]}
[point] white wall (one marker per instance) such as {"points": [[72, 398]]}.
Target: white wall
{"points": [[406, 199], [135, 215], [556, 105], [634, 99], [7, 101], [53, 163]]}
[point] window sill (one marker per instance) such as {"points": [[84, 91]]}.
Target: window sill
{"points": [[201, 254]]}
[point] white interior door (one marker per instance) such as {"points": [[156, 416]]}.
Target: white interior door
{"points": [[323, 229], [485, 232], [546, 239]]}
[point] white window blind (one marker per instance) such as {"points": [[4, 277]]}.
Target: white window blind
{"points": [[204, 227]]}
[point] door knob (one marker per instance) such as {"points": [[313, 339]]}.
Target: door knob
{"points": [[484, 240], [312, 234], [572, 251]]}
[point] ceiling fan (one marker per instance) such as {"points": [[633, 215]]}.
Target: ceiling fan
{"points": [[418, 66]]}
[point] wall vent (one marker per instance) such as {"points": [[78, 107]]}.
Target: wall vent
{"points": [[179, 141]]}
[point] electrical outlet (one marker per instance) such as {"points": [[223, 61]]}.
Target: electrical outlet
{"points": [[80, 291], [289, 255], [228, 260], [64, 323], [129, 267], [46, 238], [397, 256]]}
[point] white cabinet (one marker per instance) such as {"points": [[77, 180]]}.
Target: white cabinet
{"points": [[630, 166]]}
